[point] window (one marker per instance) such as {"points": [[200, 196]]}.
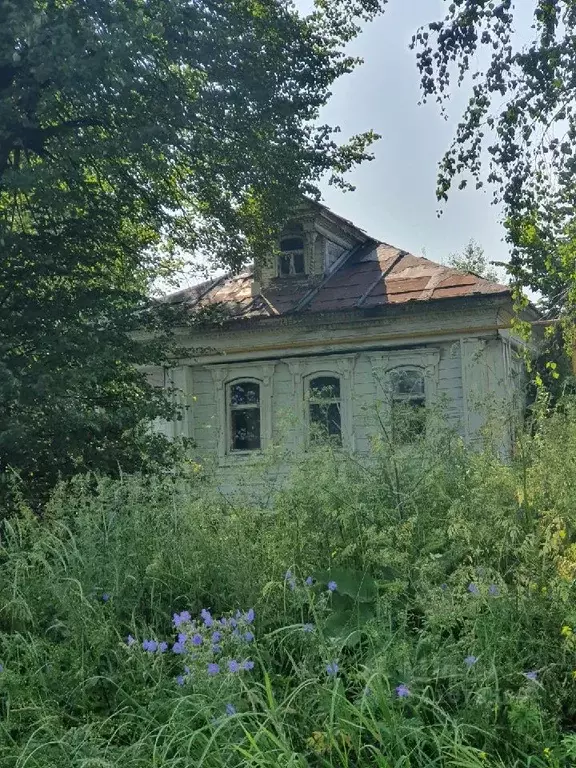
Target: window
{"points": [[408, 404], [324, 409], [244, 410], [291, 260]]}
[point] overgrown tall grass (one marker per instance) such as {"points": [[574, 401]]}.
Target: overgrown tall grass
{"points": [[417, 611]]}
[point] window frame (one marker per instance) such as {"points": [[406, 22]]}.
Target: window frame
{"points": [[230, 373], [302, 371], [311, 400], [407, 398], [291, 253], [230, 408], [425, 359]]}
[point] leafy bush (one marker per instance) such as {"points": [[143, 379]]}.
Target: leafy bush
{"points": [[414, 611]]}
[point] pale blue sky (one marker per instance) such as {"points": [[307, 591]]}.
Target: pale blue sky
{"points": [[395, 193]]}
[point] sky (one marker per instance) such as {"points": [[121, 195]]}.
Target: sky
{"points": [[395, 197]]}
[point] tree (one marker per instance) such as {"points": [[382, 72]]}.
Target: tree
{"points": [[472, 259], [520, 122], [129, 130]]}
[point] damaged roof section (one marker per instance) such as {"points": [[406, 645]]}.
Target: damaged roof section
{"points": [[372, 275]]}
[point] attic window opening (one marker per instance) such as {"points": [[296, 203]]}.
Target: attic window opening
{"points": [[244, 416], [291, 260], [325, 409]]}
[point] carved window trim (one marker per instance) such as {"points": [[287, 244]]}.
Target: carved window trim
{"points": [[425, 359], [303, 370], [223, 376]]}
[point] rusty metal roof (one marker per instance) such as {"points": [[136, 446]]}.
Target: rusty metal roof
{"points": [[375, 275]]}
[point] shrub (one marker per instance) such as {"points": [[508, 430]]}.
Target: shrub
{"points": [[416, 610]]}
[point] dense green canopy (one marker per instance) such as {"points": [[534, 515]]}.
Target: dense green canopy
{"points": [[130, 130]]}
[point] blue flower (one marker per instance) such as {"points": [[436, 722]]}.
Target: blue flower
{"points": [[230, 709], [180, 680], [290, 580], [162, 647], [309, 581], [232, 622], [150, 645], [182, 638], [187, 670], [249, 616], [223, 621], [207, 617], [130, 641], [308, 627], [402, 691], [247, 665], [248, 636], [216, 637], [197, 639], [180, 618], [332, 668], [533, 676], [493, 590], [233, 666], [213, 669], [105, 597], [470, 661], [444, 587], [332, 586], [473, 588], [178, 648]]}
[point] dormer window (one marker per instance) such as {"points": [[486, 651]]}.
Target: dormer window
{"points": [[291, 259]]}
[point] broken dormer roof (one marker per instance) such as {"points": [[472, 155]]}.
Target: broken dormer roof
{"points": [[370, 275]]}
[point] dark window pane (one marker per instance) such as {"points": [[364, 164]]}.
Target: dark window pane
{"points": [[298, 263], [245, 393], [292, 244], [408, 383], [325, 421], [284, 265], [246, 429], [325, 387]]}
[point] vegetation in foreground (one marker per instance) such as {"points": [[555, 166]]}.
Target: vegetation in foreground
{"points": [[419, 612]]}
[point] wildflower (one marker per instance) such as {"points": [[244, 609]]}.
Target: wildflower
{"points": [[249, 616], [444, 587], [197, 639], [566, 631], [290, 580], [206, 617], [187, 670], [105, 597], [493, 590], [130, 641], [473, 589], [332, 668], [233, 666], [332, 586], [470, 661], [150, 645], [178, 648], [182, 638], [309, 581], [308, 627], [180, 618], [213, 669], [248, 636], [223, 621], [180, 680], [236, 633], [232, 622], [230, 710], [216, 637], [533, 676], [216, 649], [162, 647], [402, 691], [247, 665]]}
